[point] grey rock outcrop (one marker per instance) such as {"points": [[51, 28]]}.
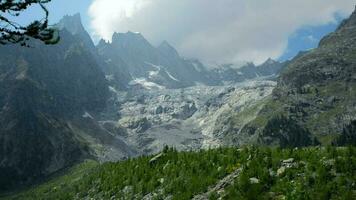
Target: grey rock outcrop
{"points": [[185, 111]]}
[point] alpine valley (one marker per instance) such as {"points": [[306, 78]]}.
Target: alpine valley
{"points": [[70, 114]]}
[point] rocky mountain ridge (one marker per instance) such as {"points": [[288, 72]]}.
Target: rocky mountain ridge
{"points": [[315, 94], [163, 67], [229, 73]]}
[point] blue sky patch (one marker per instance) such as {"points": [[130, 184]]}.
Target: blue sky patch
{"points": [[308, 37]]}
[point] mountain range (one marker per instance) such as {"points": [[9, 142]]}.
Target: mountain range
{"points": [[62, 104], [141, 63]]}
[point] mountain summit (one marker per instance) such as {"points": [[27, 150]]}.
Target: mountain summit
{"points": [[130, 40], [74, 25], [167, 49]]}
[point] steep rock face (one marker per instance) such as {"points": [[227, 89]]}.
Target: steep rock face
{"points": [[74, 25], [33, 141], [117, 74], [66, 71], [317, 88], [42, 89], [135, 51], [115, 69], [191, 71]]}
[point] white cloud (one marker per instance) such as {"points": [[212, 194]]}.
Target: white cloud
{"points": [[216, 30]]}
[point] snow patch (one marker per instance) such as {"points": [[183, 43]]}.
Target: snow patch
{"points": [[155, 73], [153, 65], [87, 115], [152, 74], [113, 90], [146, 84], [170, 76], [109, 77]]}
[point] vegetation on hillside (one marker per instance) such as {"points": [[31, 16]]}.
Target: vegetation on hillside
{"points": [[308, 173]]}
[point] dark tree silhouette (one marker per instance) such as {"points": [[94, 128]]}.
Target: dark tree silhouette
{"points": [[348, 135], [12, 32], [288, 132]]}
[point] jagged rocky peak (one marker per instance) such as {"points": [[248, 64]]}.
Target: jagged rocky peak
{"points": [[165, 45], [102, 43], [127, 37], [270, 61], [131, 40], [346, 31], [350, 22], [73, 23], [167, 49], [250, 64]]}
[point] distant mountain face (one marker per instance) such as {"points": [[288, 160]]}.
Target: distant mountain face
{"points": [[249, 71], [140, 63], [315, 95], [148, 65], [45, 92]]}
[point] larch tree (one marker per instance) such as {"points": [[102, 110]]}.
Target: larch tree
{"points": [[12, 32]]}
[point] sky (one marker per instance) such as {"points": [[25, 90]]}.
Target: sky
{"points": [[214, 31], [307, 37]]}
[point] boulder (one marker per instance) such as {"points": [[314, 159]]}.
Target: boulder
{"points": [[159, 110], [185, 111], [281, 171], [290, 160], [254, 180]]}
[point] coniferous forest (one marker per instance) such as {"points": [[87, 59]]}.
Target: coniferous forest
{"points": [[260, 173]]}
